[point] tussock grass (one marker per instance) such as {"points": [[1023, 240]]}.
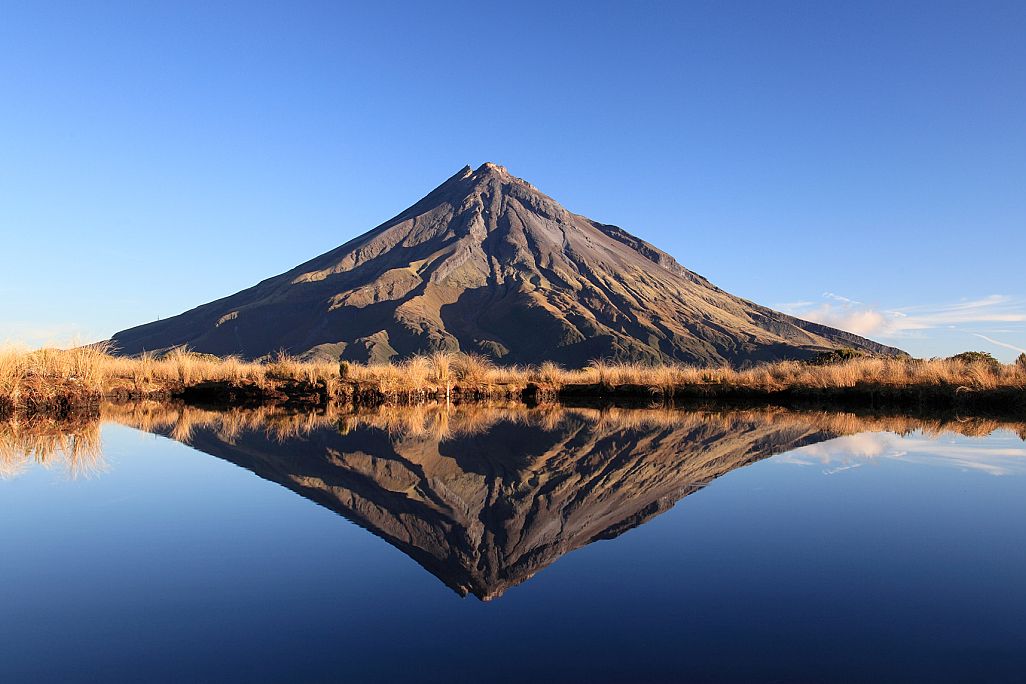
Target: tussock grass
{"points": [[863, 372], [40, 378]]}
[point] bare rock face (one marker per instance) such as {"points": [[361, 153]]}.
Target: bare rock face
{"points": [[486, 263]]}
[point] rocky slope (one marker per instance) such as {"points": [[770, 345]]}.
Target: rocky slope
{"points": [[486, 263]]}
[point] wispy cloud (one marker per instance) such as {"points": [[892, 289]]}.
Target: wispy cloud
{"points": [[839, 298], [1000, 454], [1000, 343], [966, 316], [34, 335], [992, 309]]}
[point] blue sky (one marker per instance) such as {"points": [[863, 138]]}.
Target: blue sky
{"points": [[861, 164]]}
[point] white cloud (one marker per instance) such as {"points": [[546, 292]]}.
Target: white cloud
{"points": [[992, 309], [1000, 454], [964, 316], [846, 317], [839, 298], [790, 306]]}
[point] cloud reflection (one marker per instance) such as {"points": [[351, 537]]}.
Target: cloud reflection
{"points": [[1002, 454]]}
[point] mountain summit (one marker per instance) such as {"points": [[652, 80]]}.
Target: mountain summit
{"points": [[486, 263]]}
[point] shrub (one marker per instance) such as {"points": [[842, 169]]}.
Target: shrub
{"points": [[976, 357], [1021, 361], [833, 356]]}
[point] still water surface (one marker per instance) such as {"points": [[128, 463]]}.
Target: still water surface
{"points": [[472, 544]]}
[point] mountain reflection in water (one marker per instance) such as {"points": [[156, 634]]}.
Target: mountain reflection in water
{"points": [[481, 497]]}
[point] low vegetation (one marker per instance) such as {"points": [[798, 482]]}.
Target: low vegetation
{"points": [[51, 379]]}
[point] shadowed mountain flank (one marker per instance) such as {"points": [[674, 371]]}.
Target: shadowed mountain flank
{"points": [[486, 498], [487, 264]]}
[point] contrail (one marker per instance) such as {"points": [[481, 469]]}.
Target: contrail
{"points": [[1001, 344]]}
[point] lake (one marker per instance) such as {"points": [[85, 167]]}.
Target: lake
{"points": [[465, 544]]}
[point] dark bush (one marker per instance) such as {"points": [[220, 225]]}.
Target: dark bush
{"points": [[833, 356], [984, 358]]}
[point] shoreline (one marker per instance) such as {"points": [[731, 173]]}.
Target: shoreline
{"points": [[57, 382], [1009, 402]]}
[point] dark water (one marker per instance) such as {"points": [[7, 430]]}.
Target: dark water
{"points": [[511, 545]]}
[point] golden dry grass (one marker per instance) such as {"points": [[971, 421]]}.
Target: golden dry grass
{"points": [[884, 373], [39, 377]]}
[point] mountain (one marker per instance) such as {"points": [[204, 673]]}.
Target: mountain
{"points": [[486, 263]]}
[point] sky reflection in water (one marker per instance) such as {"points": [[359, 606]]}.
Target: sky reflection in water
{"points": [[617, 545]]}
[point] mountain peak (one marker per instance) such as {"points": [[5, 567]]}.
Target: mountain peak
{"points": [[491, 168], [487, 263]]}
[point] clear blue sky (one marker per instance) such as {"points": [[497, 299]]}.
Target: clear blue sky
{"points": [[858, 163]]}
